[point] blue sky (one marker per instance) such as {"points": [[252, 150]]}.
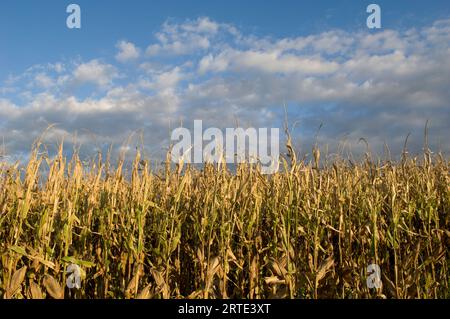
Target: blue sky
{"points": [[145, 65], [34, 32]]}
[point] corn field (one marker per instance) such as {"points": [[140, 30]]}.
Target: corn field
{"points": [[308, 231]]}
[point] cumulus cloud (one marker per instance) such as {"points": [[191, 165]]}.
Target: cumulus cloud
{"points": [[43, 80], [164, 81], [265, 61], [95, 72], [127, 51], [186, 38], [377, 85]]}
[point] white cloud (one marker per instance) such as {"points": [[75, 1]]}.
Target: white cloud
{"points": [[267, 61], [95, 72], [7, 90], [43, 80], [57, 67], [353, 82], [127, 51], [201, 25], [214, 64], [186, 38], [168, 80], [163, 82]]}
